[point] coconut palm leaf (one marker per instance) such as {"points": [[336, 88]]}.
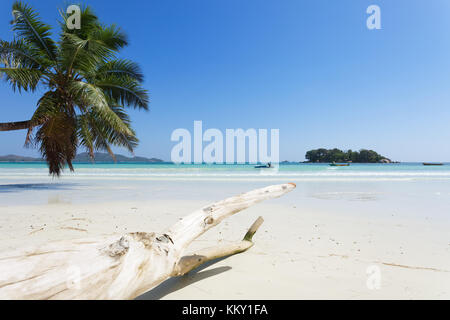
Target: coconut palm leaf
{"points": [[58, 141], [22, 78], [119, 68], [96, 134], [28, 27], [18, 54], [125, 90], [86, 94]]}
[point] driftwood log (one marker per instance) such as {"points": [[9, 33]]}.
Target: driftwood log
{"points": [[122, 266]]}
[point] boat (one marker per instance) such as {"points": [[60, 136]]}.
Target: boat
{"points": [[269, 165], [432, 164], [339, 164]]}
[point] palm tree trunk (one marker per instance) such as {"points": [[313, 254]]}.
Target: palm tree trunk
{"points": [[10, 126]]}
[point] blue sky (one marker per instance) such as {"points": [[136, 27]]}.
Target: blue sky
{"points": [[309, 68]]}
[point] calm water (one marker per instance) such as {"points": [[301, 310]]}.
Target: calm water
{"points": [[410, 189], [293, 171]]}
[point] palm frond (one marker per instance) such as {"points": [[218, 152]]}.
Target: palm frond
{"points": [[91, 96], [47, 107], [22, 78], [28, 27], [82, 55], [120, 138], [119, 68], [96, 134], [126, 90], [111, 36], [58, 142], [19, 54], [85, 134]]}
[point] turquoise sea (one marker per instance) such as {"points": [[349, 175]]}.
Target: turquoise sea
{"points": [[407, 189], [299, 171], [411, 189]]}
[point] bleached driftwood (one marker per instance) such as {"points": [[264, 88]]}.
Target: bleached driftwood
{"points": [[122, 266]]}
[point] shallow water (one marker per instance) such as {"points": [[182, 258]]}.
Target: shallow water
{"points": [[411, 189], [240, 171]]}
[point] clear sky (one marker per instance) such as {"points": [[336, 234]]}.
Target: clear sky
{"points": [[310, 68]]}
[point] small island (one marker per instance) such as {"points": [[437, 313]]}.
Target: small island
{"points": [[323, 155]]}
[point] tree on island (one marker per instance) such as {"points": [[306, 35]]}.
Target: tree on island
{"points": [[337, 155], [86, 86]]}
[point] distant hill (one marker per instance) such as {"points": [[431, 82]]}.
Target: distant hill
{"points": [[14, 158], [105, 157], [84, 157]]}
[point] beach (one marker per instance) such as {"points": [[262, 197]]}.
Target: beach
{"points": [[363, 232]]}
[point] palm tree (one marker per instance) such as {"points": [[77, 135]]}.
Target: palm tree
{"points": [[86, 86]]}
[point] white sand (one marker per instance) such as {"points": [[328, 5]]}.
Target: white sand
{"points": [[315, 242]]}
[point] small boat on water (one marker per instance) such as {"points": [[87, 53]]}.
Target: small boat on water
{"points": [[432, 164], [339, 164], [269, 165]]}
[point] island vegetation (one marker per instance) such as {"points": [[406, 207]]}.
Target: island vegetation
{"points": [[337, 155]]}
